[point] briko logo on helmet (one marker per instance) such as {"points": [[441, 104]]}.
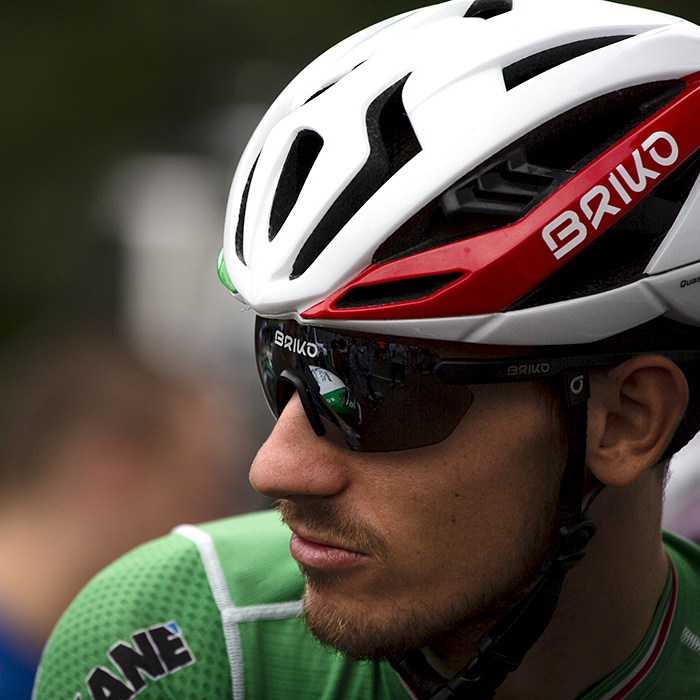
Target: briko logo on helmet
{"points": [[568, 230]]}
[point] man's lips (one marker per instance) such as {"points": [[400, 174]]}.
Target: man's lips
{"points": [[321, 553]]}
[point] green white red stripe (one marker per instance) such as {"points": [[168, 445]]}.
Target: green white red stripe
{"points": [[635, 677]]}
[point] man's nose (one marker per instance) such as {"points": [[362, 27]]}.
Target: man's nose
{"points": [[295, 463]]}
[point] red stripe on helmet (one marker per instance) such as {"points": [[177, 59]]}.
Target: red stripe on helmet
{"points": [[501, 266]]}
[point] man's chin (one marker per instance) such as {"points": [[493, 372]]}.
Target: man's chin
{"points": [[347, 632], [377, 629], [359, 634]]}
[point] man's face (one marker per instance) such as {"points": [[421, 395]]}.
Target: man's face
{"points": [[400, 549]]}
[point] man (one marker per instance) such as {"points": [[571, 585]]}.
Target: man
{"points": [[508, 190]]}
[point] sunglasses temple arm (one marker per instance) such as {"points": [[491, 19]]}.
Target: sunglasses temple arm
{"points": [[306, 401]]}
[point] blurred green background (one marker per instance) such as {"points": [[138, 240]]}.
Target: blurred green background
{"points": [[86, 83]]}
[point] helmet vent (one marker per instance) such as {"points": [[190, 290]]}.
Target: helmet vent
{"points": [[508, 188], [622, 253], [486, 9], [393, 143], [241, 214], [320, 92], [528, 68], [395, 292], [514, 181], [301, 158]]}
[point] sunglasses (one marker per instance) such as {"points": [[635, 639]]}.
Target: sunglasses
{"points": [[379, 394]]}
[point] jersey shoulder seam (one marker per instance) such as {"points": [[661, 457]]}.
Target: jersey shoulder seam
{"points": [[231, 615]]}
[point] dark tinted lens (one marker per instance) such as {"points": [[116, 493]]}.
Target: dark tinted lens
{"points": [[380, 396]]}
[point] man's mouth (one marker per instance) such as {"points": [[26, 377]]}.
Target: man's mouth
{"points": [[321, 552], [324, 537]]}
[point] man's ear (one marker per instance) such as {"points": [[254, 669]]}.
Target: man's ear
{"points": [[633, 413]]}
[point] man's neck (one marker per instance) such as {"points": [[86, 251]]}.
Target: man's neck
{"points": [[605, 608]]}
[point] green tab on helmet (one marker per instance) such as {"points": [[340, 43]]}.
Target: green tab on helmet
{"points": [[223, 273]]}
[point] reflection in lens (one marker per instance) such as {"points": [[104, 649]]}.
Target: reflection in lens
{"points": [[338, 397]]}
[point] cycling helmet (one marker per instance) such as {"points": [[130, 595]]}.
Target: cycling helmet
{"points": [[510, 172], [505, 172]]}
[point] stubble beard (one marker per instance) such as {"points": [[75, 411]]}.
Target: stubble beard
{"points": [[359, 636]]}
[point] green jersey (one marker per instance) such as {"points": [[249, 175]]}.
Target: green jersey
{"points": [[212, 613]]}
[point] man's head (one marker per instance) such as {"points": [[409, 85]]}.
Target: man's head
{"points": [[415, 542], [507, 188]]}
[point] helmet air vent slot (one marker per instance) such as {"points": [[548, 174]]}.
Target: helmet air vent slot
{"points": [[486, 9], [393, 143], [301, 158], [241, 214], [509, 188], [320, 92], [395, 292], [521, 71]]}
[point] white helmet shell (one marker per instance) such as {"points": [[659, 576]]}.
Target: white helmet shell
{"points": [[323, 186]]}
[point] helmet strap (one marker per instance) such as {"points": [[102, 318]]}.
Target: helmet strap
{"points": [[501, 650]]}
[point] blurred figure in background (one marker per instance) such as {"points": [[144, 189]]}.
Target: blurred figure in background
{"points": [[682, 496], [98, 453]]}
